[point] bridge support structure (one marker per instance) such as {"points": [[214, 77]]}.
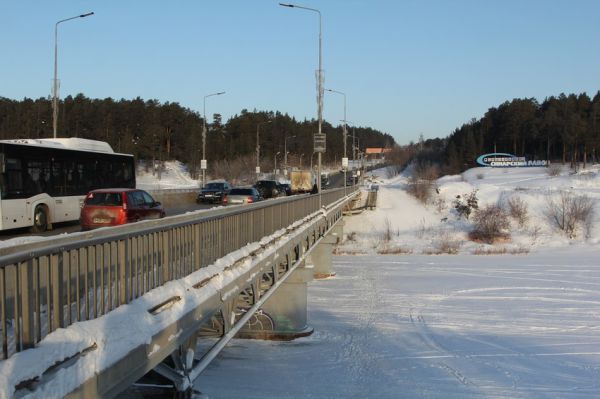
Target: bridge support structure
{"points": [[287, 308], [322, 255]]}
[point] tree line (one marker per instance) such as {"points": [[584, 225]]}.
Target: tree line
{"points": [[565, 128], [149, 130]]}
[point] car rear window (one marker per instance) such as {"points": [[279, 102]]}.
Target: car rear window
{"points": [[266, 183], [214, 185], [106, 199], [240, 191]]}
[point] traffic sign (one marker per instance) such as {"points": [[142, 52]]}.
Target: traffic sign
{"points": [[319, 142]]}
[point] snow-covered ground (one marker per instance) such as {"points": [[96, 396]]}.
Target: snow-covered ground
{"points": [[409, 325], [174, 175], [411, 227], [524, 324], [423, 326]]}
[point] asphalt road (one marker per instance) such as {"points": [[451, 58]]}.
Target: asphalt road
{"points": [[174, 205], [171, 209]]}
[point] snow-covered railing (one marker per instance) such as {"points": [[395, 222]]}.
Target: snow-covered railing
{"points": [[54, 283]]}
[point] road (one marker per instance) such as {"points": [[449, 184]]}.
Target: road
{"points": [[175, 204], [171, 208]]}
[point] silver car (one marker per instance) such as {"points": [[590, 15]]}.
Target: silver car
{"points": [[243, 195]]}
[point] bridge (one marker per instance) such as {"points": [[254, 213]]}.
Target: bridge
{"points": [[87, 315]]}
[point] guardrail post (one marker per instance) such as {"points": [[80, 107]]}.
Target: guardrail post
{"points": [[27, 303]]}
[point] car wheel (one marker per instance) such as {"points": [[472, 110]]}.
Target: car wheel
{"points": [[40, 220]]}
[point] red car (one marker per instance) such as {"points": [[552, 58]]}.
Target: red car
{"points": [[114, 206]]}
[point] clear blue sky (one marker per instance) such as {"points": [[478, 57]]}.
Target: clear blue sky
{"points": [[407, 66]]}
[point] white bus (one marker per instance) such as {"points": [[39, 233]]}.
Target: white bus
{"points": [[44, 181]]}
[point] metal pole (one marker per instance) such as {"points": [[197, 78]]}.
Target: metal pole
{"points": [[320, 100], [257, 152], [319, 87], [344, 132], [203, 164], [55, 82], [203, 160], [285, 154], [353, 155], [258, 146]]}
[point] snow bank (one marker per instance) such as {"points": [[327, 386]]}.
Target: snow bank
{"points": [[401, 224], [174, 175]]}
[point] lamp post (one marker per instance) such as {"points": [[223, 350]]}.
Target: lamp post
{"points": [[345, 159], [258, 146], [355, 149], [275, 166], [319, 87], [203, 163], [301, 155], [285, 153], [55, 83]]}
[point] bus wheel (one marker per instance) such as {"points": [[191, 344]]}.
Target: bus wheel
{"points": [[40, 220]]}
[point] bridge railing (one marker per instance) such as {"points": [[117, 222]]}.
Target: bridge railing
{"points": [[54, 283]]}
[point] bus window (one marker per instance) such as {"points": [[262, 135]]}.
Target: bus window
{"points": [[13, 178], [37, 176]]}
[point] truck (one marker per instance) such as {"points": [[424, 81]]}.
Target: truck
{"points": [[301, 181]]}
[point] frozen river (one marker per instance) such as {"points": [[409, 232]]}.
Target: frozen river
{"points": [[455, 326]]}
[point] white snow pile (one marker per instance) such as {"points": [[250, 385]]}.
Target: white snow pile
{"points": [[402, 224], [173, 175]]}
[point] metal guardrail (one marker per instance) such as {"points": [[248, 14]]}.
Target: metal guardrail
{"points": [[54, 283]]}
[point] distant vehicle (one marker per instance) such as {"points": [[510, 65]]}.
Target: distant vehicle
{"points": [[324, 179], [351, 178], [267, 188], [243, 195], [301, 181], [285, 188], [214, 192], [44, 181], [115, 206]]}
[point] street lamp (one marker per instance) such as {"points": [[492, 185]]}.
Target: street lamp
{"points": [[319, 87], [311, 161], [355, 149], [285, 152], [301, 155], [203, 164], [275, 166], [55, 83], [345, 159], [258, 146]]}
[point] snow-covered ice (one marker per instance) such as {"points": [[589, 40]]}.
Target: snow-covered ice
{"points": [[418, 326], [411, 325]]}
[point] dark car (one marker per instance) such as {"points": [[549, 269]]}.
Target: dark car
{"points": [[285, 188], [115, 206], [243, 195], [267, 188], [214, 192]]}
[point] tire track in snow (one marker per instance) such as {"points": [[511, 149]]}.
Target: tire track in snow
{"points": [[426, 336], [358, 356]]}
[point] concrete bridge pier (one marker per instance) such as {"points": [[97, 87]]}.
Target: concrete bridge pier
{"points": [[284, 315], [322, 255]]}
